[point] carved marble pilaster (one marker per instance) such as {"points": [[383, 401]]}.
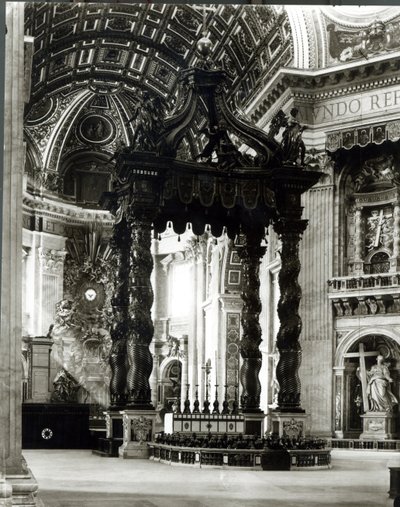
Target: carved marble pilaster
{"points": [[120, 245], [290, 232], [141, 327], [183, 348], [251, 253], [395, 260], [358, 267], [48, 285], [339, 401]]}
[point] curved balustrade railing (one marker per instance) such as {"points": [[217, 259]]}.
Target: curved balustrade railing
{"points": [[256, 459]]}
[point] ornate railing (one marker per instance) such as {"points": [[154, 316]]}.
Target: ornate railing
{"points": [[256, 459], [348, 283], [365, 295], [366, 445]]}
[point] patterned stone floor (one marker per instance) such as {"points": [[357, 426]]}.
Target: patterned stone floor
{"points": [[80, 479]]}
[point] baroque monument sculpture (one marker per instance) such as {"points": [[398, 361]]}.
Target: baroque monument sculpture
{"points": [[380, 397], [228, 192]]}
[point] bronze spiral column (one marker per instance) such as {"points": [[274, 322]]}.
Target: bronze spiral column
{"points": [[290, 231], [120, 245], [251, 253], [141, 327]]}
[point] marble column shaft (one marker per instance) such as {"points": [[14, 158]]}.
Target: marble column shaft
{"points": [[120, 244], [251, 254], [141, 328], [11, 245], [290, 231]]}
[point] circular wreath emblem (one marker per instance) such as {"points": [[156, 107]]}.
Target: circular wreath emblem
{"points": [[47, 433]]}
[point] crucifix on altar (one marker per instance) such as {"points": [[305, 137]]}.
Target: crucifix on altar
{"points": [[378, 399]]}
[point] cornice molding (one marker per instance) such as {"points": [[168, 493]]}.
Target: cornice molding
{"points": [[63, 212], [319, 84]]}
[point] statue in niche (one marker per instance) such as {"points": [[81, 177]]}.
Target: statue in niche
{"points": [[292, 144], [380, 397]]}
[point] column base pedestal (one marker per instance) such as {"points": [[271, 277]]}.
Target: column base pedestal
{"points": [[134, 450], [108, 446], [254, 423], [394, 482], [5, 493], [139, 429], [378, 426], [289, 424], [19, 489]]}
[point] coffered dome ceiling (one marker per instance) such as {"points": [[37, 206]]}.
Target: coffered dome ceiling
{"points": [[92, 62]]}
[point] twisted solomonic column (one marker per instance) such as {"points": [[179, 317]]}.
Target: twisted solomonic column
{"points": [[251, 253], [120, 245], [290, 231], [141, 327]]}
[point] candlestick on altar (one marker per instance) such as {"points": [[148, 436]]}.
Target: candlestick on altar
{"points": [[206, 404], [196, 403], [186, 405], [225, 404], [235, 402], [216, 402]]}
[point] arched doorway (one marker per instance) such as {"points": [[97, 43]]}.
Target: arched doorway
{"points": [[356, 348]]}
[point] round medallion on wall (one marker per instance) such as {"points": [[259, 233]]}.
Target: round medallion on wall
{"points": [[96, 129], [47, 434], [41, 111]]}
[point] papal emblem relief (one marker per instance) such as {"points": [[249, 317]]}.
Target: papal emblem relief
{"points": [[379, 229]]}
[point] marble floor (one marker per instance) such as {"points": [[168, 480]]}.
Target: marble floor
{"points": [[79, 479]]}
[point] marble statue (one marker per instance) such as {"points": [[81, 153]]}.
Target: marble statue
{"points": [[381, 398], [292, 143]]}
